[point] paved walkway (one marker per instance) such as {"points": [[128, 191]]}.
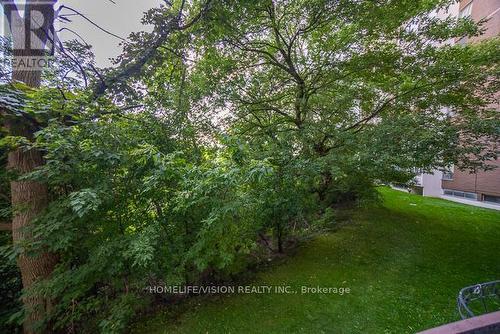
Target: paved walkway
{"points": [[471, 202], [460, 200]]}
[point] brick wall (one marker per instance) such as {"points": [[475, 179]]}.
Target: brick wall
{"points": [[483, 183], [485, 9]]}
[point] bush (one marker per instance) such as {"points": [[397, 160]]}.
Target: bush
{"points": [[10, 288]]}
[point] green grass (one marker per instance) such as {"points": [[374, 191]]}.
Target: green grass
{"points": [[404, 263]]}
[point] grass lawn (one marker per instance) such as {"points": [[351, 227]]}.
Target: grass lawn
{"points": [[404, 263]]}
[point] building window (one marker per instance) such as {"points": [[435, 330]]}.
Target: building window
{"points": [[491, 199], [462, 194], [471, 196], [448, 174], [466, 11]]}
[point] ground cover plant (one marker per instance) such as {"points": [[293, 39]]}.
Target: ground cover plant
{"points": [[221, 137]]}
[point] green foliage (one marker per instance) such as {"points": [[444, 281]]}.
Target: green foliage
{"points": [[249, 126], [10, 280], [10, 289], [404, 262]]}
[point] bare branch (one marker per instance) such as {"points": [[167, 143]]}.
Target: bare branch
{"points": [[131, 69], [384, 105], [75, 33], [10, 10], [90, 21]]}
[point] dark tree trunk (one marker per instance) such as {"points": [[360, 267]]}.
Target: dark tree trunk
{"points": [[324, 187], [279, 237], [28, 198], [326, 177]]}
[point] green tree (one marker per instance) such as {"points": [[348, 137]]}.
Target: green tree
{"points": [[330, 76], [233, 124]]}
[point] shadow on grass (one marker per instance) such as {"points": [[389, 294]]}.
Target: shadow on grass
{"points": [[404, 262]]}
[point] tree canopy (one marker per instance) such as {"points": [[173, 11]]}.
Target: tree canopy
{"points": [[230, 128]]}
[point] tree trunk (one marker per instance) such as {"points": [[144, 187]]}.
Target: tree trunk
{"points": [[279, 236], [28, 198]]}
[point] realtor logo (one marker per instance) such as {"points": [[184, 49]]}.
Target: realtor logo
{"points": [[30, 25]]}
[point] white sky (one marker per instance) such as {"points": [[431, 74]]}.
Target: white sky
{"points": [[121, 19]]}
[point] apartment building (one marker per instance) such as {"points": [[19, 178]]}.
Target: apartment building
{"points": [[482, 186]]}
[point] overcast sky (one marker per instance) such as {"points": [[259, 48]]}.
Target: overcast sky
{"points": [[121, 18]]}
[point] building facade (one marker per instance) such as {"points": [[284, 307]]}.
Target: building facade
{"points": [[483, 186]]}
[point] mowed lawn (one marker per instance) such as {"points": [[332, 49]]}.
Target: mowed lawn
{"points": [[404, 263]]}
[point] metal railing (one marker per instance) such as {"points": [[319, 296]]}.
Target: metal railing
{"points": [[479, 299]]}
